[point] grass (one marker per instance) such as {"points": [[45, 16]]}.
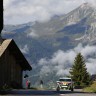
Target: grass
{"points": [[91, 88]]}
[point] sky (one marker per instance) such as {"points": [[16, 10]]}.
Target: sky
{"points": [[23, 11]]}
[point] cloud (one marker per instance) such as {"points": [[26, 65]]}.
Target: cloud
{"points": [[45, 69], [93, 2], [25, 49], [91, 65], [89, 51], [62, 61], [32, 34], [21, 11]]}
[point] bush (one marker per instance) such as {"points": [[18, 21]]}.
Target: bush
{"points": [[5, 87]]}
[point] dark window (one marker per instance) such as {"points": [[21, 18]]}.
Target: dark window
{"points": [[66, 80]]}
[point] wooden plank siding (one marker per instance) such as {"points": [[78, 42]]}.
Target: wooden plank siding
{"points": [[12, 64], [12, 72]]}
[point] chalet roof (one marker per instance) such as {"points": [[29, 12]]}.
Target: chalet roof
{"points": [[13, 48], [4, 46]]}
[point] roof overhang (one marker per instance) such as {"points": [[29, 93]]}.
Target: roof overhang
{"points": [[13, 48]]}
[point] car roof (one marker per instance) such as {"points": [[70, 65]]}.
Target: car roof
{"points": [[65, 78]]}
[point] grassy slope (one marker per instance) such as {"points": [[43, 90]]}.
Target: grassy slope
{"points": [[91, 88]]}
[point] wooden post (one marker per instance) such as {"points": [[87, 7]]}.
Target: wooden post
{"points": [[1, 16], [1, 19]]}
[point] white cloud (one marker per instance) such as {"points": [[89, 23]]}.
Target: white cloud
{"points": [[21, 11], [93, 2], [45, 70], [89, 51], [91, 65], [25, 49], [62, 61], [43, 61], [61, 57], [32, 34]]}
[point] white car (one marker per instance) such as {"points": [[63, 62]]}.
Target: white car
{"points": [[65, 83]]}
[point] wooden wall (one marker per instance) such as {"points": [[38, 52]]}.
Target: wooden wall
{"points": [[10, 70]]}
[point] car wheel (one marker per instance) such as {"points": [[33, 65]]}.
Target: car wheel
{"points": [[72, 89], [58, 88]]}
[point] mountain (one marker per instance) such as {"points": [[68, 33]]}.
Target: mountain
{"points": [[41, 39]]}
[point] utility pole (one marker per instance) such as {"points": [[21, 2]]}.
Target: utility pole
{"points": [[1, 19]]}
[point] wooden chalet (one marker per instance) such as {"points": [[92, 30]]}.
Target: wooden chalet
{"points": [[12, 64]]}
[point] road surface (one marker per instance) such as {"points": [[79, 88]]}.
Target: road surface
{"points": [[46, 93]]}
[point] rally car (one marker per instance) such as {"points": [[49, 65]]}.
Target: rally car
{"points": [[65, 83]]}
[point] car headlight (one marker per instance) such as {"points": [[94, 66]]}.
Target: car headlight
{"points": [[69, 84]]}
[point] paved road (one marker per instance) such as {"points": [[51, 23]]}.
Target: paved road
{"points": [[47, 93]]}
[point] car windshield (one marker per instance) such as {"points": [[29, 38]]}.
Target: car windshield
{"points": [[66, 80]]}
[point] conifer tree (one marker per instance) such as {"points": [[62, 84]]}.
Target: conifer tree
{"points": [[79, 72]]}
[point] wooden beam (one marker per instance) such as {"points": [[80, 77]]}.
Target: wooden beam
{"points": [[1, 15]]}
